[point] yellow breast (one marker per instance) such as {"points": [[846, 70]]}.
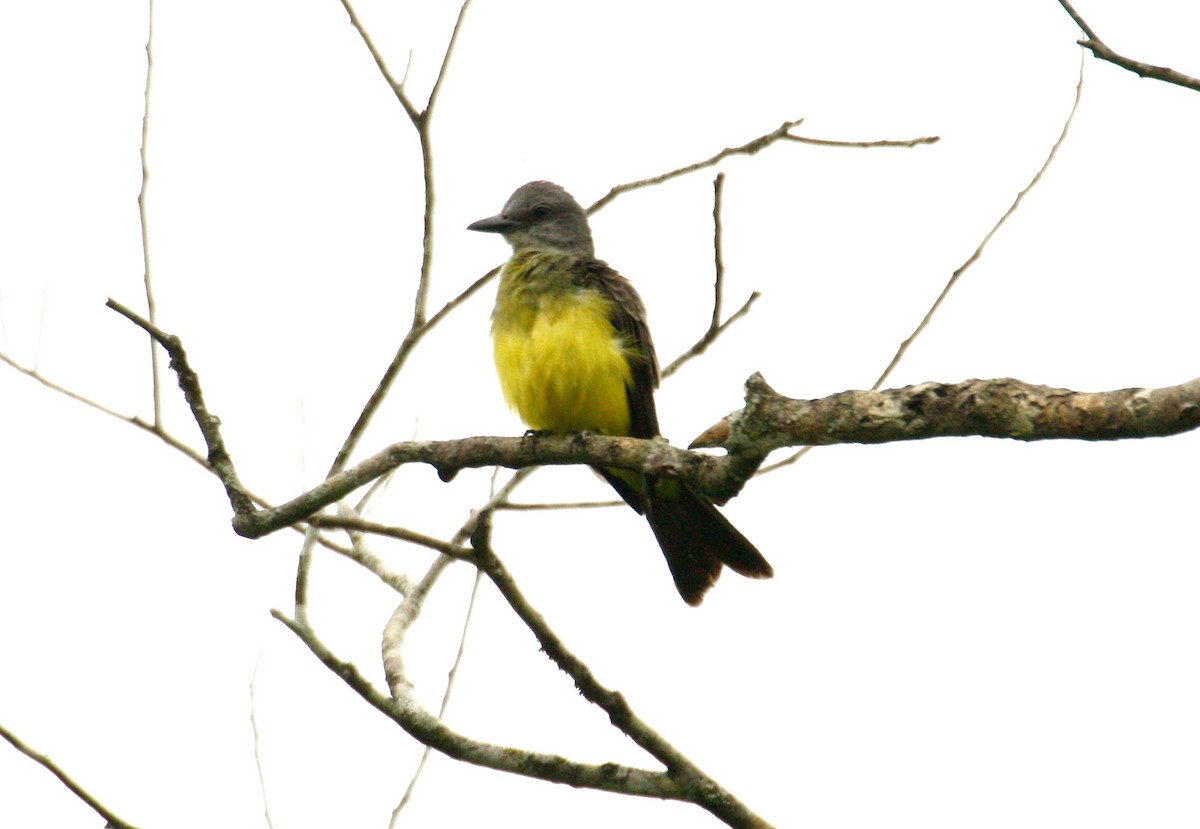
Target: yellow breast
{"points": [[562, 365]]}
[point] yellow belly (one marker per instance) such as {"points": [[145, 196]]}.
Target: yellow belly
{"points": [[562, 365]]}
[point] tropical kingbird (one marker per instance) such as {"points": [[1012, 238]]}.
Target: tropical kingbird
{"points": [[574, 354]]}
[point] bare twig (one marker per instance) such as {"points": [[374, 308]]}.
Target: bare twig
{"points": [[783, 133], [66, 780], [210, 425], [399, 582], [450, 677], [361, 525], [151, 311], [937, 303], [751, 147], [701, 345], [428, 730], [697, 787], [561, 505], [411, 339], [262, 780], [1145, 70], [437, 84], [468, 529], [396, 86], [396, 629], [864, 145], [715, 326], [718, 257], [423, 133], [167, 438]]}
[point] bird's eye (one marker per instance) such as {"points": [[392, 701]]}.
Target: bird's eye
{"points": [[540, 211]]}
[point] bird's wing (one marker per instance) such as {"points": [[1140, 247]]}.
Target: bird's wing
{"points": [[629, 318]]}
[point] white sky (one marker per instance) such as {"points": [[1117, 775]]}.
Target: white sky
{"points": [[960, 632]]}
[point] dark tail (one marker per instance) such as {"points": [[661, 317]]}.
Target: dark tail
{"points": [[695, 537], [697, 540]]}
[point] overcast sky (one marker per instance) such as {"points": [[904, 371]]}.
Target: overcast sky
{"points": [[962, 632]]}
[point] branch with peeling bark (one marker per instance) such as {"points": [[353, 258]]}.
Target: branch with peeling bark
{"points": [[1003, 408]]}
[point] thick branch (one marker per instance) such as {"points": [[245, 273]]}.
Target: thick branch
{"points": [[448, 456], [991, 408]]}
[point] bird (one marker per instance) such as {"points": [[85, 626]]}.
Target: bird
{"points": [[573, 354]]}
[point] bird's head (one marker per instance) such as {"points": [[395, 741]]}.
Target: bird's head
{"points": [[541, 215]]}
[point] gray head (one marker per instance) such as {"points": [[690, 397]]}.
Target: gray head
{"points": [[541, 215]]}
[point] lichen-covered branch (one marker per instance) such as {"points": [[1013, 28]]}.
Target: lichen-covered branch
{"points": [[1003, 408], [989, 408], [449, 456]]}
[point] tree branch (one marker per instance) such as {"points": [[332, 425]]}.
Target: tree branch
{"points": [[990, 408], [1012, 208], [427, 729], [697, 787], [715, 325], [77, 790], [210, 425], [1146, 70]]}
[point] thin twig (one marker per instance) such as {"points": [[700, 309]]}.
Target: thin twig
{"points": [[303, 568], [210, 425], [954, 277], [715, 326], [428, 730], [262, 780], [406, 614], [863, 145], [361, 525], [437, 84], [562, 505], [167, 438], [704, 342], [65, 779], [904, 346], [751, 147], [423, 123], [365, 557], [783, 133], [396, 86], [450, 677], [411, 339], [699, 788], [788, 461], [718, 258], [1146, 70], [151, 310]]}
